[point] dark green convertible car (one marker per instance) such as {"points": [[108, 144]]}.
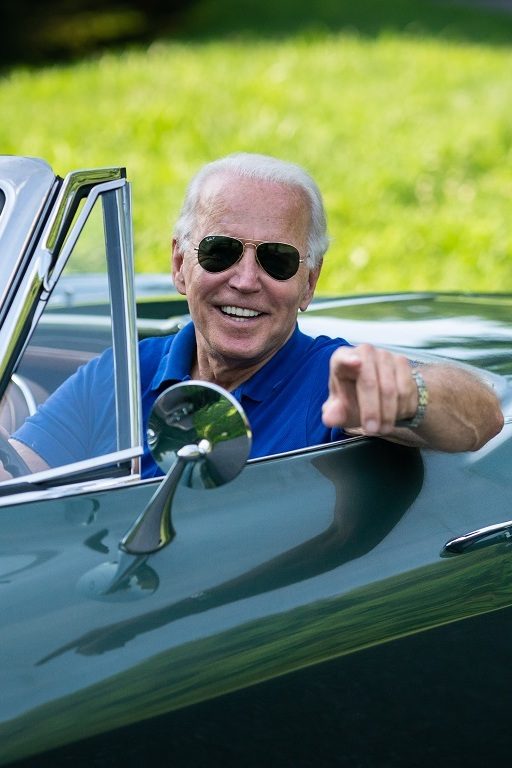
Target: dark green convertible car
{"points": [[348, 604]]}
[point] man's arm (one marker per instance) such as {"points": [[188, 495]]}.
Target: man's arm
{"points": [[32, 459], [370, 389]]}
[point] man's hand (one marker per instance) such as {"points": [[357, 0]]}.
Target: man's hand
{"points": [[33, 461], [371, 389], [4, 474]]}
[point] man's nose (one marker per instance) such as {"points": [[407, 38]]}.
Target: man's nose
{"points": [[246, 273]]}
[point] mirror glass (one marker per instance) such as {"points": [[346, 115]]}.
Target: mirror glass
{"points": [[200, 414]]}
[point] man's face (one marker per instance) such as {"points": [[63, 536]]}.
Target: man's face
{"points": [[256, 211]]}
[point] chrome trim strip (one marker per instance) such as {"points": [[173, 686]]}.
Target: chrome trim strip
{"points": [[311, 448], [53, 275], [57, 473], [163, 327], [24, 495], [65, 319], [459, 544], [341, 301], [130, 313], [73, 489], [39, 279], [20, 310], [71, 186]]}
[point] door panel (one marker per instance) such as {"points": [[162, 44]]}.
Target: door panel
{"points": [[301, 559], [439, 697]]}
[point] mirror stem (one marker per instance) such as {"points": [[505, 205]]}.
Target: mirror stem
{"points": [[153, 529]]}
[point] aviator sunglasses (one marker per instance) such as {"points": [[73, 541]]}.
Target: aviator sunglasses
{"points": [[216, 253]]}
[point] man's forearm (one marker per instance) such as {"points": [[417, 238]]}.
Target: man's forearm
{"points": [[462, 414], [444, 406]]}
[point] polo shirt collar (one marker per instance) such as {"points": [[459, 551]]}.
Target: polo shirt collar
{"points": [[177, 363], [260, 386]]}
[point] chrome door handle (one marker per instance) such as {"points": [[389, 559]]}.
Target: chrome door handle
{"points": [[483, 537]]}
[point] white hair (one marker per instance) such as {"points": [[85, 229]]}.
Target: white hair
{"points": [[264, 168]]}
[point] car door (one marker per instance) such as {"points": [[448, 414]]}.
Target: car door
{"points": [[302, 560]]}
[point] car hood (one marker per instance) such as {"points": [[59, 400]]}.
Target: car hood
{"points": [[471, 328]]}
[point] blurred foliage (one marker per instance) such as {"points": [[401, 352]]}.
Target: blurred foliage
{"points": [[449, 19]]}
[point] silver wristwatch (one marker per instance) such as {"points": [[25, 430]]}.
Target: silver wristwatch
{"points": [[418, 417]]}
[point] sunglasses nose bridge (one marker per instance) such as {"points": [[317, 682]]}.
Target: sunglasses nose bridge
{"points": [[248, 244], [248, 268]]}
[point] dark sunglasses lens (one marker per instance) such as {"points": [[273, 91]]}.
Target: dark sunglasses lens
{"points": [[216, 253], [279, 260]]}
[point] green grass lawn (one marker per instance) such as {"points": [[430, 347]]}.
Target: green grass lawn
{"points": [[401, 111]]}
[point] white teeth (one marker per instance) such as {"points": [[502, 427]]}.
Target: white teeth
{"points": [[240, 312]]}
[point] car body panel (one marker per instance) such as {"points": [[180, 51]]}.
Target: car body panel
{"points": [[249, 577]]}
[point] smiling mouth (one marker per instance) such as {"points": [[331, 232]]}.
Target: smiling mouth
{"points": [[239, 313]]}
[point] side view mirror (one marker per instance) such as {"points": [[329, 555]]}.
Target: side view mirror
{"points": [[197, 433]]}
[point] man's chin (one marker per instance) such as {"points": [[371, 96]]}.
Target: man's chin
{"points": [[241, 353]]}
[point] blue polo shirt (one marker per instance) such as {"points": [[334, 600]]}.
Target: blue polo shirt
{"points": [[283, 399]]}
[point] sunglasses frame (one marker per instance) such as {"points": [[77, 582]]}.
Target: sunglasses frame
{"points": [[256, 245]]}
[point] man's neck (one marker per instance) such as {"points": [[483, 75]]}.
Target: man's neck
{"points": [[226, 371], [224, 374]]}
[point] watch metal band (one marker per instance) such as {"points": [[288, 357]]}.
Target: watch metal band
{"points": [[418, 417]]}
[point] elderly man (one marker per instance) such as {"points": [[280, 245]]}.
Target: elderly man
{"points": [[247, 252]]}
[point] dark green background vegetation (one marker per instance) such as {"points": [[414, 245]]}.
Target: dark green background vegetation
{"points": [[39, 32]]}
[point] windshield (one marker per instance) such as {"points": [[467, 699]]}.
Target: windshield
{"points": [[25, 184]]}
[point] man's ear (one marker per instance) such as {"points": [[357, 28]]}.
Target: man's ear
{"points": [[177, 267], [309, 289]]}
